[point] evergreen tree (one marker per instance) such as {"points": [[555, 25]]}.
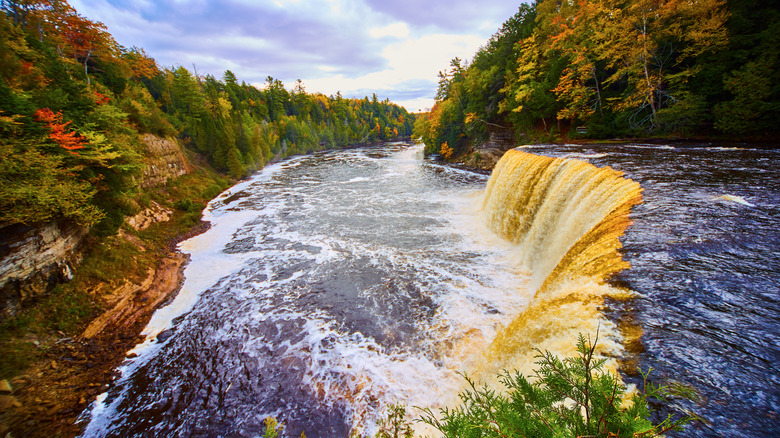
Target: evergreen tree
{"points": [[572, 397]]}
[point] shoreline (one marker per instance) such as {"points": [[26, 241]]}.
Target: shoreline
{"points": [[70, 370], [50, 398]]}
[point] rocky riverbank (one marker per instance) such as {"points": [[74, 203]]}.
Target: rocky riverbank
{"points": [[49, 397], [61, 345]]}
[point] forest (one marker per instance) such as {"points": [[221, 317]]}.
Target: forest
{"points": [[596, 69], [74, 102]]}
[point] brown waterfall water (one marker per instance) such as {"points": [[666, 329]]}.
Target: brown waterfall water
{"points": [[331, 286], [566, 217]]}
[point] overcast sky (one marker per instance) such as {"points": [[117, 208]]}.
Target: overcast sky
{"points": [[394, 48]]}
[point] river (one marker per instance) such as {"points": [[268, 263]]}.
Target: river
{"points": [[705, 259], [332, 286]]}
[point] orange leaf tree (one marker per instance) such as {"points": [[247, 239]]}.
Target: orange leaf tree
{"points": [[58, 131]]}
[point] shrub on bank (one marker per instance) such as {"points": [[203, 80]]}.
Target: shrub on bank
{"points": [[573, 397]]}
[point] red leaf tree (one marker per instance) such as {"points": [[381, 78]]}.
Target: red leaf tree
{"points": [[58, 131]]}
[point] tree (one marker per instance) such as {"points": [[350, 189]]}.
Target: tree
{"points": [[750, 88], [84, 38], [573, 397], [21, 67], [275, 97], [58, 131], [529, 96], [749, 100], [579, 88], [448, 78], [653, 46], [141, 65], [445, 151], [39, 186], [74, 35]]}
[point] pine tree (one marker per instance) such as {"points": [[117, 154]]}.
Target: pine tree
{"points": [[573, 397]]}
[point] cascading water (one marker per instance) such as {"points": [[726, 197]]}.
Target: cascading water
{"points": [[328, 288], [704, 252], [333, 285], [566, 216]]}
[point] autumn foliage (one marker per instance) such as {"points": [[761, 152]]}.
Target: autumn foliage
{"points": [[58, 131], [617, 68], [74, 105], [445, 150]]}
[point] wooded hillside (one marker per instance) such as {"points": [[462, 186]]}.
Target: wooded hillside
{"points": [[607, 68], [74, 103]]}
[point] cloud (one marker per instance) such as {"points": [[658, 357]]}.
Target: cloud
{"points": [[449, 15], [411, 76], [395, 30], [351, 46]]}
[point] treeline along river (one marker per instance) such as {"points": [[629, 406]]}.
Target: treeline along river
{"points": [[334, 285]]}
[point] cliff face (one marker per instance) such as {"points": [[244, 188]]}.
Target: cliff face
{"points": [[35, 259], [164, 159], [486, 155]]}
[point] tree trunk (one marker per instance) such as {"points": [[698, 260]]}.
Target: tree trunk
{"points": [[645, 62], [598, 88], [86, 67]]}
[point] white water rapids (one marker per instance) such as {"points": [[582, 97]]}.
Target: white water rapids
{"points": [[329, 287], [334, 285]]}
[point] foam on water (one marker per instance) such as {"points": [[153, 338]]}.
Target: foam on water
{"points": [[334, 285], [584, 156], [734, 198], [207, 262], [364, 279]]}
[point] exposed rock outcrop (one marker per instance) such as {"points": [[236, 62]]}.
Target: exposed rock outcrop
{"points": [[502, 139], [486, 155], [155, 213], [164, 160], [35, 259], [131, 304]]}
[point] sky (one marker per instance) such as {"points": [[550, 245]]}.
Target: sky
{"points": [[394, 48]]}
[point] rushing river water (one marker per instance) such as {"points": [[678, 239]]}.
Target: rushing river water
{"points": [[705, 259], [334, 285]]}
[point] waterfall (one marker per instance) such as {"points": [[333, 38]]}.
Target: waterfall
{"points": [[566, 217]]}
